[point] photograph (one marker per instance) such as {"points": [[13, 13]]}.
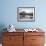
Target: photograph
{"points": [[26, 14]]}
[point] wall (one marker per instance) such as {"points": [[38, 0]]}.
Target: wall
{"points": [[9, 13]]}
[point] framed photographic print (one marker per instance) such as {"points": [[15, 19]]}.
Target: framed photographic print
{"points": [[26, 14]]}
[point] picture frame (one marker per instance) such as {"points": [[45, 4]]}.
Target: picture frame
{"points": [[26, 14]]}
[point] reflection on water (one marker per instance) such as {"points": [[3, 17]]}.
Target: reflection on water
{"points": [[26, 17]]}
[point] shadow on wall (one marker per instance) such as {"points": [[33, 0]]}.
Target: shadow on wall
{"points": [[2, 26]]}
